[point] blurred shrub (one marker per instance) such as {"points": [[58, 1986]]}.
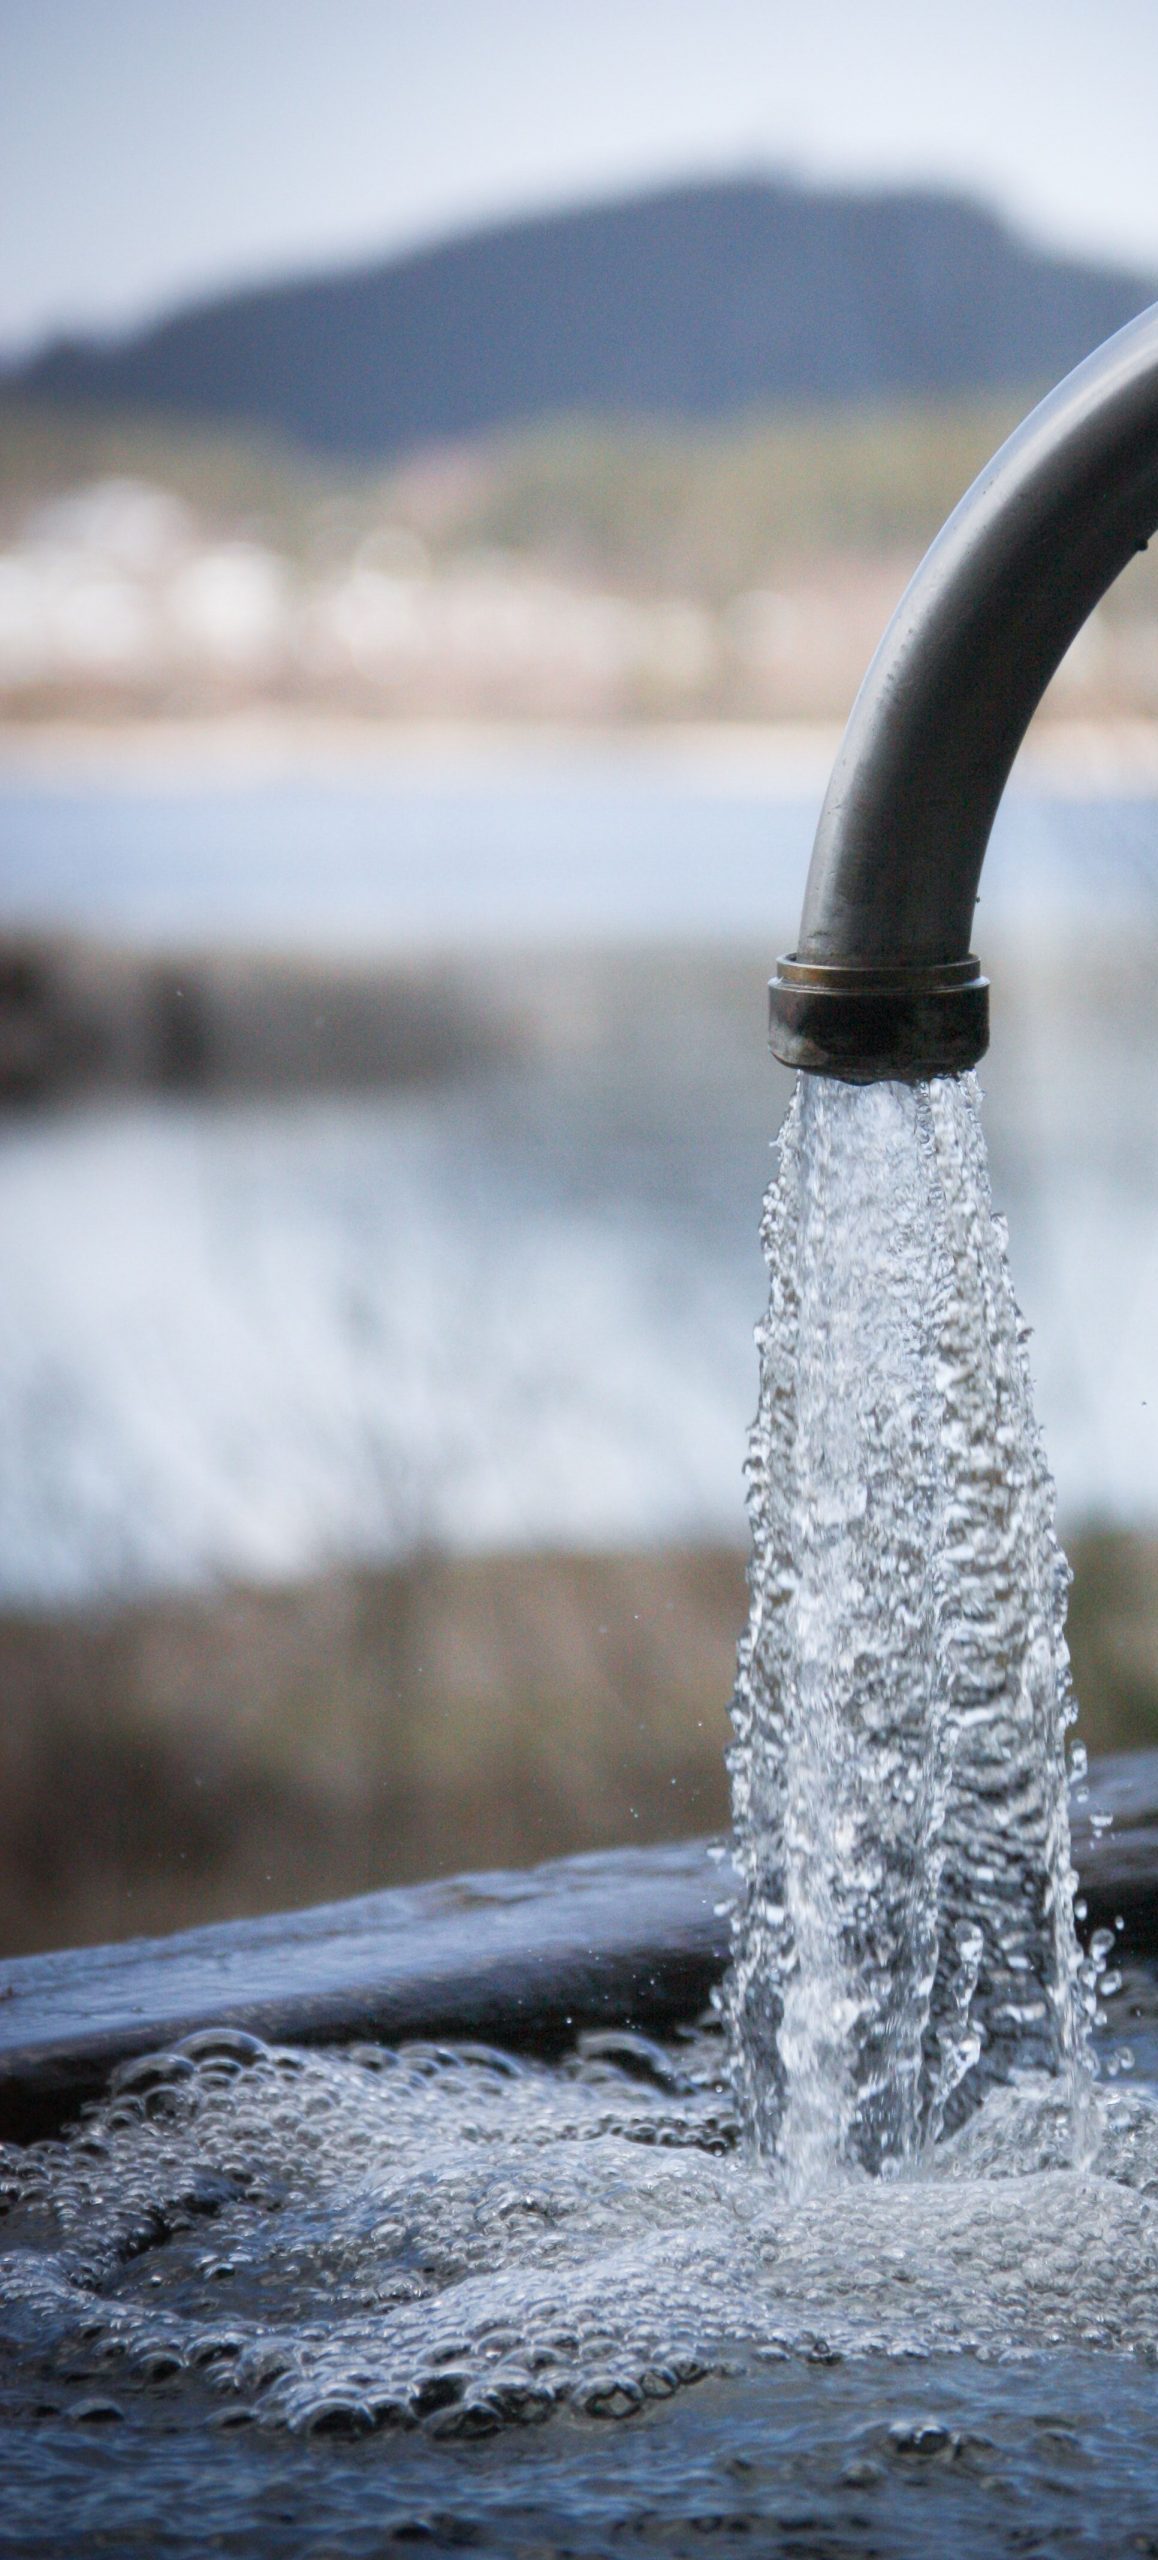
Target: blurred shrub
{"points": [[198, 1759], [1113, 1638]]}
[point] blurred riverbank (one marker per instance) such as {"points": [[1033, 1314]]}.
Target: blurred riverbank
{"points": [[578, 572], [1063, 754]]}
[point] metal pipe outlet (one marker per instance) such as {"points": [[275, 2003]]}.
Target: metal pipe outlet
{"points": [[883, 981]]}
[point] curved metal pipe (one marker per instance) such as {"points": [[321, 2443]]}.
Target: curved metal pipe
{"points": [[883, 982]]}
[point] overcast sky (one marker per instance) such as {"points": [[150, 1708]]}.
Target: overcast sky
{"points": [[152, 149]]}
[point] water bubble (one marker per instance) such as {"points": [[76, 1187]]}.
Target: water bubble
{"points": [[923, 2436], [221, 2044]]}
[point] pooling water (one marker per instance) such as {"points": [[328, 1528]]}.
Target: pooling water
{"points": [[905, 1934], [463, 2241]]}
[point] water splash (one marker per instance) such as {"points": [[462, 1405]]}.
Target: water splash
{"points": [[461, 2241], [904, 1936]]}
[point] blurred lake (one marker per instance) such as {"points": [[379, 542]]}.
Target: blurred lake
{"points": [[430, 849], [512, 1306]]}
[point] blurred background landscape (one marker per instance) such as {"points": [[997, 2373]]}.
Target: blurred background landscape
{"points": [[419, 672]]}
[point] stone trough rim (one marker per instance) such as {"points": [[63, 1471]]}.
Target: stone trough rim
{"points": [[526, 1958]]}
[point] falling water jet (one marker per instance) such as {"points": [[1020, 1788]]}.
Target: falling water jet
{"points": [[904, 1936]]}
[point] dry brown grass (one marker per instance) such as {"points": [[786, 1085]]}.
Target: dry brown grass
{"points": [[206, 1758]]}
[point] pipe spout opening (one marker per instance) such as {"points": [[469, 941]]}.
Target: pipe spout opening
{"points": [[867, 1024], [882, 982]]}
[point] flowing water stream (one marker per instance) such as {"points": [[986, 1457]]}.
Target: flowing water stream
{"points": [[893, 2143], [906, 1935]]}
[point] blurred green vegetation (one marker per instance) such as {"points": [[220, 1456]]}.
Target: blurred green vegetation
{"points": [[234, 483], [644, 507], [715, 512], [648, 505]]}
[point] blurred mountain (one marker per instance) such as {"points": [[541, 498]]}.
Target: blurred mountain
{"points": [[697, 303]]}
